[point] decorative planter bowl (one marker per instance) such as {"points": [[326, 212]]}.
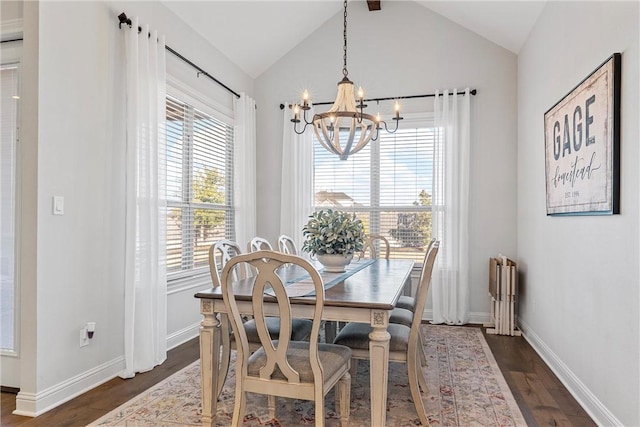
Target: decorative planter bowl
{"points": [[334, 263]]}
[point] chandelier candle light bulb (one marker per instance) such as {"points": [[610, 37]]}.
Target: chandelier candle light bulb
{"points": [[305, 99]]}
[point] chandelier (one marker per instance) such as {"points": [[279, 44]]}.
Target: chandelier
{"points": [[345, 129]]}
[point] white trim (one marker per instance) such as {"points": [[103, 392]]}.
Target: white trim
{"points": [[188, 283], [186, 93], [183, 335], [12, 56], [32, 405], [589, 402], [11, 29], [176, 278]]}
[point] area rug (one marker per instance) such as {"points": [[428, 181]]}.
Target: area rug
{"points": [[466, 388]]}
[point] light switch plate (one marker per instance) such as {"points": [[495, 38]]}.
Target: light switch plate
{"points": [[58, 205], [84, 337]]}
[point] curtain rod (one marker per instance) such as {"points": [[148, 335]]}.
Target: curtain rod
{"points": [[11, 40], [124, 20], [393, 98]]}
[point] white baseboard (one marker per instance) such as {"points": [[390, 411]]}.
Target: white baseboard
{"points": [[183, 335], [32, 405], [589, 402]]}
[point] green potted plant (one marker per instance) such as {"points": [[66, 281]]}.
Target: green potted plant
{"points": [[332, 237]]}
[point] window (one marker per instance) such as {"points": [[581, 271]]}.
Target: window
{"points": [[199, 186], [387, 185], [9, 75]]}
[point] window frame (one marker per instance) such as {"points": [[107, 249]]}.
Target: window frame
{"points": [[185, 279], [375, 208], [12, 56]]}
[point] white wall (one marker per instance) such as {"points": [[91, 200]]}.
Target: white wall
{"points": [[405, 49], [579, 298], [72, 269]]}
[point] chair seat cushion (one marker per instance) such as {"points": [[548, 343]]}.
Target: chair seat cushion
{"points": [[332, 357], [402, 316], [356, 336], [300, 329], [406, 302]]}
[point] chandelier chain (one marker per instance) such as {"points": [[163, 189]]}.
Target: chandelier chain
{"points": [[345, 73]]}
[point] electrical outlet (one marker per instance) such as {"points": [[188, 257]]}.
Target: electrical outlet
{"points": [[84, 337]]}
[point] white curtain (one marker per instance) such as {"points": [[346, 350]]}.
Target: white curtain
{"points": [[145, 299], [245, 169], [296, 200], [450, 217]]}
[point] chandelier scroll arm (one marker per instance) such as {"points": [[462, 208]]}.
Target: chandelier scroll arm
{"points": [[386, 127], [297, 120]]}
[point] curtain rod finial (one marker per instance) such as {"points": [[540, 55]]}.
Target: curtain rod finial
{"points": [[123, 20]]}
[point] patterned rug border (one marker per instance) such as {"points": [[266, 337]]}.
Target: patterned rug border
{"points": [[519, 418], [503, 396], [144, 395]]}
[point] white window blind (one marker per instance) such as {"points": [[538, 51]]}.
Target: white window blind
{"points": [[9, 75], [387, 185], [199, 186]]}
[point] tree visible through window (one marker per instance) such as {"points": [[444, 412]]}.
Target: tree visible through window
{"points": [[387, 184], [199, 186]]}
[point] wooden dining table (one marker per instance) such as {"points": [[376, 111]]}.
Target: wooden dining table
{"points": [[366, 292]]}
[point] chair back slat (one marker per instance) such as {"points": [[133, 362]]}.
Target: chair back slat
{"points": [[373, 246], [268, 280], [287, 245], [259, 244]]}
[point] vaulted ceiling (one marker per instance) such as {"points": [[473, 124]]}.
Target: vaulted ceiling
{"points": [[287, 23]]}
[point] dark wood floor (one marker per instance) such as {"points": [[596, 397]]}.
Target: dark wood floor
{"points": [[543, 400]]}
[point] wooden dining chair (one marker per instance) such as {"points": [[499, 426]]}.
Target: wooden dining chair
{"points": [[373, 247], [258, 244], [220, 253], [282, 366], [408, 302], [287, 245], [405, 340], [404, 310]]}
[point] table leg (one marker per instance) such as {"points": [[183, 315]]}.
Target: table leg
{"points": [[210, 361], [379, 364], [330, 330]]}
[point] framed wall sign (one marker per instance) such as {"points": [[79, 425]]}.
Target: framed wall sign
{"points": [[582, 146]]}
